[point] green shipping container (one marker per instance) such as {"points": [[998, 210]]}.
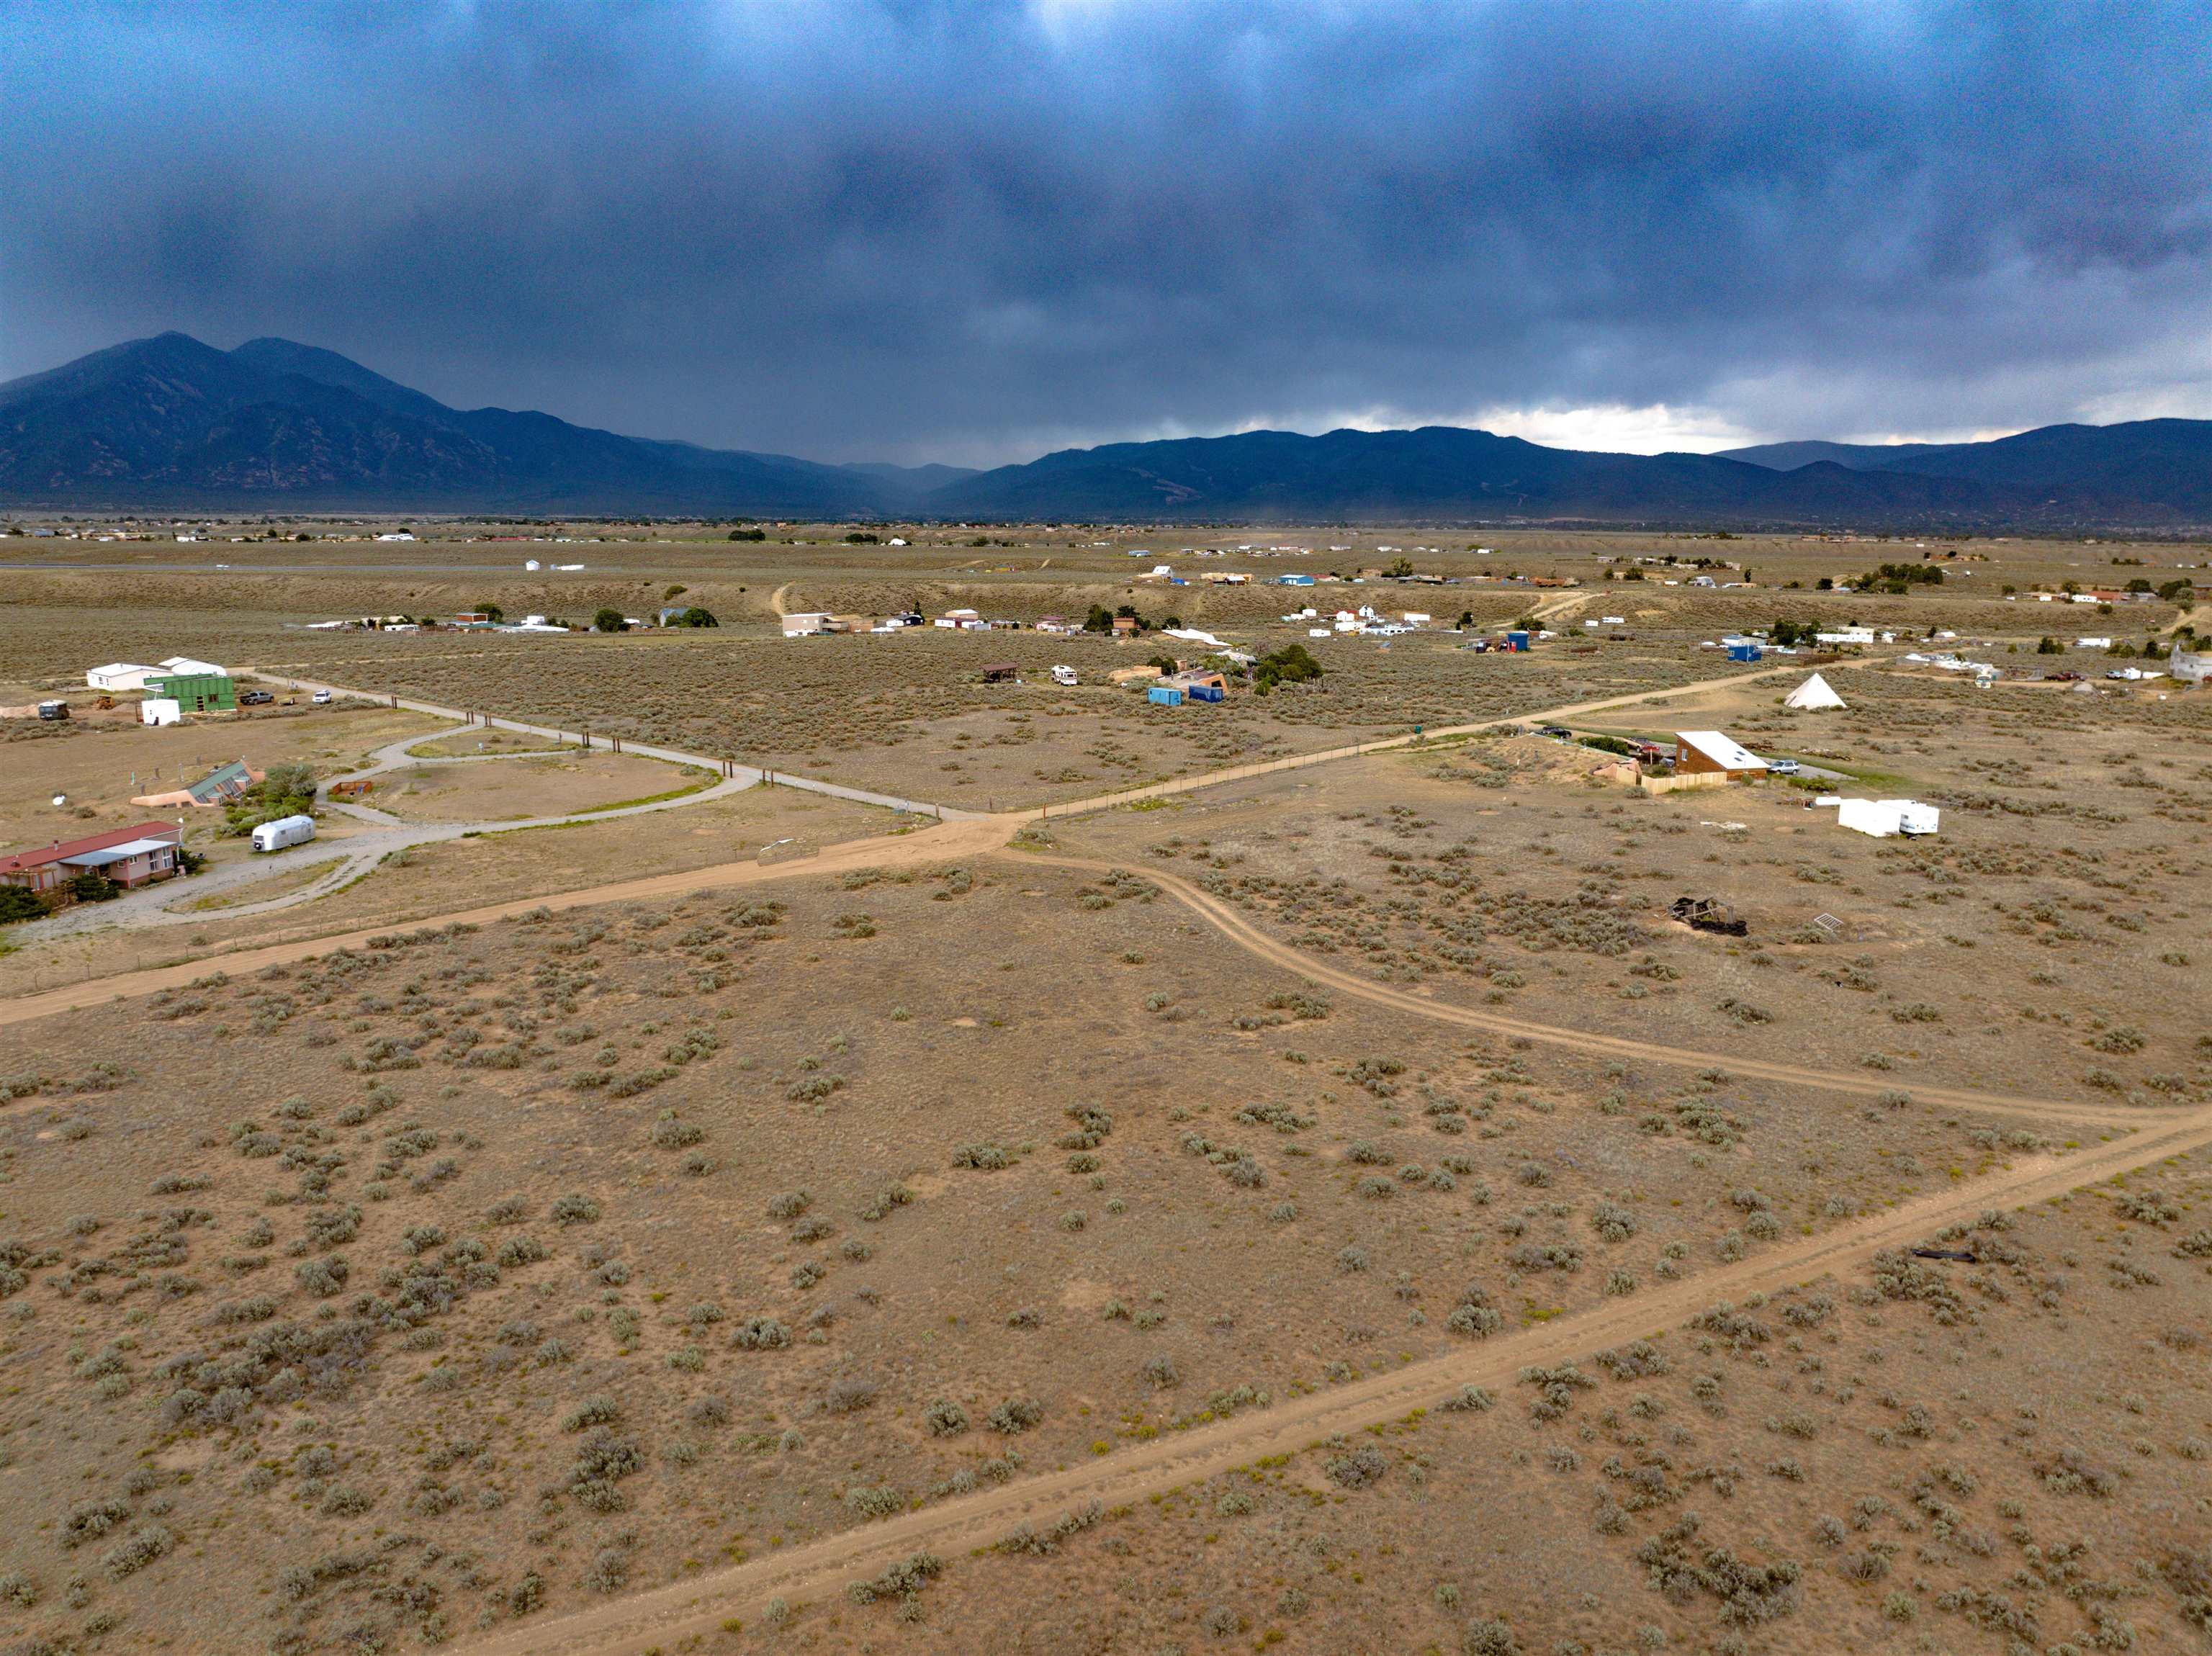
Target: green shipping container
{"points": [[197, 693]]}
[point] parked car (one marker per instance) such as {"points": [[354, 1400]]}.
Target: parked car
{"points": [[322, 698], [1782, 766], [257, 698], [1560, 731]]}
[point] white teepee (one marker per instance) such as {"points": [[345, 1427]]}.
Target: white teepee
{"points": [[1813, 695]]}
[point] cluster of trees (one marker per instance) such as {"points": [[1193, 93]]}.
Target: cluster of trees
{"points": [[1899, 577], [283, 791], [1291, 665], [1101, 619], [1792, 633]]}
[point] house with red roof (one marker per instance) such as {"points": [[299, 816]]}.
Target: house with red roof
{"points": [[129, 856]]}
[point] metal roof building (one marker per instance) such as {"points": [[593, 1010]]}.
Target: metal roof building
{"points": [[1714, 750]]}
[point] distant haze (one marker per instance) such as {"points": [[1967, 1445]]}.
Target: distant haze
{"points": [[970, 233]]}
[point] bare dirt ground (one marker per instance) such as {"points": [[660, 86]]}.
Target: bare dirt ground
{"points": [[1117, 1289], [1336, 1210], [100, 766], [432, 880], [1497, 874], [520, 787]]}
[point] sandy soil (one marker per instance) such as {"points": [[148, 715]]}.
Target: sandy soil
{"points": [[506, 789]]}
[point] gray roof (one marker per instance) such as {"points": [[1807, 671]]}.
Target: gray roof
{"points": [[123, 852]]}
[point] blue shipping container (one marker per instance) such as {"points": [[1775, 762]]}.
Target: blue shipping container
{"points": [[1743, 653], [1206, 693], [1166, 694]]}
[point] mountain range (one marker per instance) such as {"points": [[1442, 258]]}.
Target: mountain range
{"points": [[171, 423]]}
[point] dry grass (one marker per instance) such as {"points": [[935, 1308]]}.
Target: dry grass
{"points": [[765, 1112]]}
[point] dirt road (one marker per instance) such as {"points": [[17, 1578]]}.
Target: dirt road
{"points": [[662, 1617], [1240, 931], [1389, 743], [936, 844]]}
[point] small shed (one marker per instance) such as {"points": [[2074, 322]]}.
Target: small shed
{"points": [[1743, 653], [1709, 751], [1167, 695], [1001, 672], [1516, 640], [160, 710]]}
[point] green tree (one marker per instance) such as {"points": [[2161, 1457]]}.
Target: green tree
{"points": [[2049, 646], [491, 609], [696, 616], [1399, 569], [1291, 665], [609, 621], [19, 903], [749, 534], [1100, 620], [283, 791]]}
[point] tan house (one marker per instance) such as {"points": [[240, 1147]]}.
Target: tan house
{"points": [[1706, 752], [128, 856]]}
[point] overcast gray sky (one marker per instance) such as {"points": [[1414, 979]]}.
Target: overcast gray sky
{"points": [[977, 232]]}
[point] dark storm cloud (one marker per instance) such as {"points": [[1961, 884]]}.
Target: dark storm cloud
{"points": [[909, 229]]}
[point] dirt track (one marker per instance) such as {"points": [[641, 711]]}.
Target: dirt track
{"points": [[1246, 936], [664, 1615], [661, 1617], [936, 844]]}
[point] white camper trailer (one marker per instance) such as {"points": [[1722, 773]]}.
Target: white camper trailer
{"points": [[283, 833], [1883, 818]]}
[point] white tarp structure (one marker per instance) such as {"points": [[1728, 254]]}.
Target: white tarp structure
{"points": [[1883, 818], [161, 710], [1814, 696], [1193, 635]]}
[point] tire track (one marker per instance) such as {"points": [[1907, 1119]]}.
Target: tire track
{"points": [[1226, 919], [657, 1618], [930, 845]]}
